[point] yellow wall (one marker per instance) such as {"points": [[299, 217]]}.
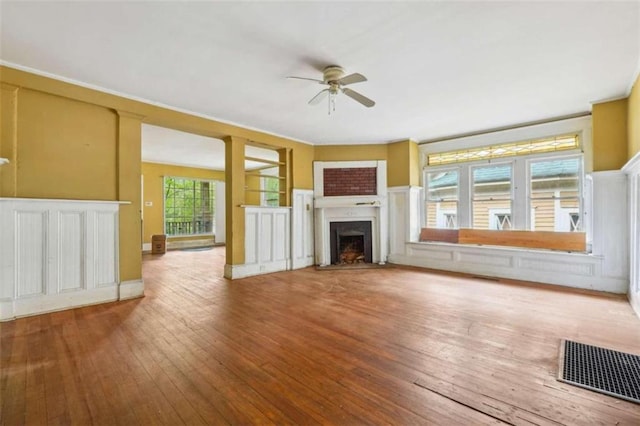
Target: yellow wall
{"points": [[67, 141], [633, 120], [252, 183], [67, 149], [403, 163], [350, 152], [153, 192], [609, 121], [402, 158]]}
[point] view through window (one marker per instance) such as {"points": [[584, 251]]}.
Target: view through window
{"points": [[189, 206], [529, 192]]}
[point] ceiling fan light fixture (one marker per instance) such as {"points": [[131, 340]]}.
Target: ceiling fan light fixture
{"points": [[333, 76]]}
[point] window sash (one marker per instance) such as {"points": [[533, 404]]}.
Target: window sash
{"points": [[189, 206], [519, 201]]}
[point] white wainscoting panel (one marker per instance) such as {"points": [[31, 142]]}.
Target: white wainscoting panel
{"points": [[71, 275], [251, 236], [398, 226], [605, 269], [56, 254], [611, 222], [31, 252], [632, 170], [267, 242], [105, 248], [404, 217], [302, 241], [544, 266]]}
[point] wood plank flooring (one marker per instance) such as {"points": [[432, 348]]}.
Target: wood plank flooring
{"points": [[379, 346]]}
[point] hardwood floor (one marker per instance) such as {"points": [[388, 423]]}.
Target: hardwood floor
{"points": [[380, 346]]}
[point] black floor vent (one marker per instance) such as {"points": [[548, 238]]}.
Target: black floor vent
{"points": [[602, 370]]}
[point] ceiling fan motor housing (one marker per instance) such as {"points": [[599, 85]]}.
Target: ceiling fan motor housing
{"points": [[332, 73]]}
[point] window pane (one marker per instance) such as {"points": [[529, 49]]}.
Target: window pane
{"points": [[442, 214], [270, 183], [442, 199], [556, 178], [555, 195], [558, 143], [442, 186], [492, 197], [189, 206]]}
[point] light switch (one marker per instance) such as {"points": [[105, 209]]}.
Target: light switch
{"points": [[148, 203]]}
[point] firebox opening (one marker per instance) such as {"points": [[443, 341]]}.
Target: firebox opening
{"points": [[350, 242]]}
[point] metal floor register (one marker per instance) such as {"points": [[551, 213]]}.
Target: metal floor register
{"points": [[602, 370]]}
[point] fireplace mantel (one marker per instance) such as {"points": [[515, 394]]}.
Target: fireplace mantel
{"points": [[350, 201], [372, 208]]}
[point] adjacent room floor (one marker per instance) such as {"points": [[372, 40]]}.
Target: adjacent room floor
{"points": [[381, 346]]}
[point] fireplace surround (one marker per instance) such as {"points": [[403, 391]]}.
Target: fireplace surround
{"points": [[334, 211]]}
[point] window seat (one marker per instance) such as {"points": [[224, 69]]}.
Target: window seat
{"points": [[564, 241]]}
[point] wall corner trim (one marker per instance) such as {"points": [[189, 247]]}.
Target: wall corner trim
{"points": [[632, 164]]}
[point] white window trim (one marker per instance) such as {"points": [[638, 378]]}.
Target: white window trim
{"points": [[520, 211], [581, 182], [580, 126]]}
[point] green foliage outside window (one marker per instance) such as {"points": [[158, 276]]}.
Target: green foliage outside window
{"points": [[189, 206]]}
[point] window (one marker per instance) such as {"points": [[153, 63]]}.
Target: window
{"points": [[188, 206], [538, 190], [442, 199], [492, 192], [554, 188], [553, 144]]}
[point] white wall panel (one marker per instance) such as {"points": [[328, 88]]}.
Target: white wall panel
{"points": [[105, 245], [632, 170], [251, 239], [56, 254], [398, 225], [586, 269], [302, 238], [71, 266], [578, 270], [611, 222], [485, 259], [267, 242], [266, 237], [280, 240], [30, 254]]}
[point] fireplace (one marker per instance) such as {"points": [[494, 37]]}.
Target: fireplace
{"points": [[350, 201], [350, 242]]}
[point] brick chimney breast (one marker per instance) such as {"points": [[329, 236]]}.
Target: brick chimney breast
{"points": [[349, 181]]}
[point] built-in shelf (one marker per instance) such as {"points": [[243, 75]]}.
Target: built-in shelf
{"points": [[265, 176], [276, 178], [265, 161]]}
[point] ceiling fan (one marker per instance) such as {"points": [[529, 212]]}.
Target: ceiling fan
{"points": [[333, 76]]}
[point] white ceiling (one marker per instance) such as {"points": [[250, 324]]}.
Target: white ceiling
{"points": [[435, 68]]}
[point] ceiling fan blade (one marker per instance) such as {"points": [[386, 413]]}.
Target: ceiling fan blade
{"points": [[319, 97], [305, 78], [352, 78], [358, 97]]}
